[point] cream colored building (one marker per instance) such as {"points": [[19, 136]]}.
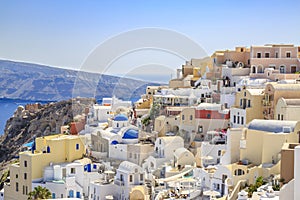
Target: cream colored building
{"points": [[260, 150], [247, 107], [273, 92], [231, 58], [163, 125], [287, 109], [183, 157], [49, 149], [190, 72], [261, 143]]}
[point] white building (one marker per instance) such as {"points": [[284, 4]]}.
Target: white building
{"points": [[166, 146], [69, 180], [232, 149], [99, 113], [210, 154]]}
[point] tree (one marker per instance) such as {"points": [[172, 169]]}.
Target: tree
{"points": [[39, 192], [253, 188]]}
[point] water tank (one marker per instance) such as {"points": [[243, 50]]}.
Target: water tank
{"points": [[57, 172]]}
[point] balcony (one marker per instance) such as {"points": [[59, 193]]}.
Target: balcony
{"points": [[266, 103]]}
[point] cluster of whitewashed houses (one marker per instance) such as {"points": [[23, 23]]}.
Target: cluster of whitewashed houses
{"points": [[214, 132]]}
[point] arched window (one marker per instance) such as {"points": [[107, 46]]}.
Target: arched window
{"points": [[282, 69]]}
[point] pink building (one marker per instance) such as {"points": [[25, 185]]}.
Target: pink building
{"points": [[275, 62]]}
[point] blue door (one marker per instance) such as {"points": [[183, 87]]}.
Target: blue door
{"points": [[71, 193], [78, 195]]}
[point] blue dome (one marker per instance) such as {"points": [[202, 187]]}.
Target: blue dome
{"points": [[120, 117], [114, 142], [131, 134]]}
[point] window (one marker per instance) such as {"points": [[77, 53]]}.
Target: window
{"points": [[26, 190], [234, 119], [219, 153], [238, 120], [17, 176], [182, 117], [25, 176], [141, 177], [23, 189], [200, 129], [72, 170], [276, 54], [130, 178], [117, 125], [288, 54], [282, 69], [242, 120], [258, 55], [17, 187], [130, 155], [241, 102], [77, 146], [249, 103], [267, 55], [121, 177], [191, 117], [281, 117], [245, 94], [239, 172], [208, 116], [278, 117], [25, 163]]}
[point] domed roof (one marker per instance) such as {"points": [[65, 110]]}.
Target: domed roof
{"points": [[120, 117], [114, 142], [131, 134]]}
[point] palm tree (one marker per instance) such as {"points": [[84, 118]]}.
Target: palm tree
{"points": [[39, 192]]}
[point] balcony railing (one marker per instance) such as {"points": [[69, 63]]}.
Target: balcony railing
{"points": [[266, 103]]}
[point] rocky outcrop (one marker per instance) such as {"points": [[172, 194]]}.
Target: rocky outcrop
{"points": [[46, 119]]}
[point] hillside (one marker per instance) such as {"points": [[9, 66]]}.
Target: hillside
{"points": [[29, 81]]}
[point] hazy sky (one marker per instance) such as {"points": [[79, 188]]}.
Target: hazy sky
{"points": [[64, 33]]}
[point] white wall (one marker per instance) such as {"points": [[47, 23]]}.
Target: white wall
{"points": [[238, 113], [99, 190], [227, 98], [297, 173], [213, 151], [232, 153], [118, 151], [2, 194]]}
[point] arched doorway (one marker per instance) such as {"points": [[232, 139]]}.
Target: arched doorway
{"points": [[253, 69], [282, 69]]}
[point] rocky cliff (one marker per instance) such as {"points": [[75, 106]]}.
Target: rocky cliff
{"points": [[26, 124]]}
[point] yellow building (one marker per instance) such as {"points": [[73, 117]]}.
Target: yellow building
{"points": [[48, 150], [247, 107]]}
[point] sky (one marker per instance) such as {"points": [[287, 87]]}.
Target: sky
{"points": [[66, 33]]}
